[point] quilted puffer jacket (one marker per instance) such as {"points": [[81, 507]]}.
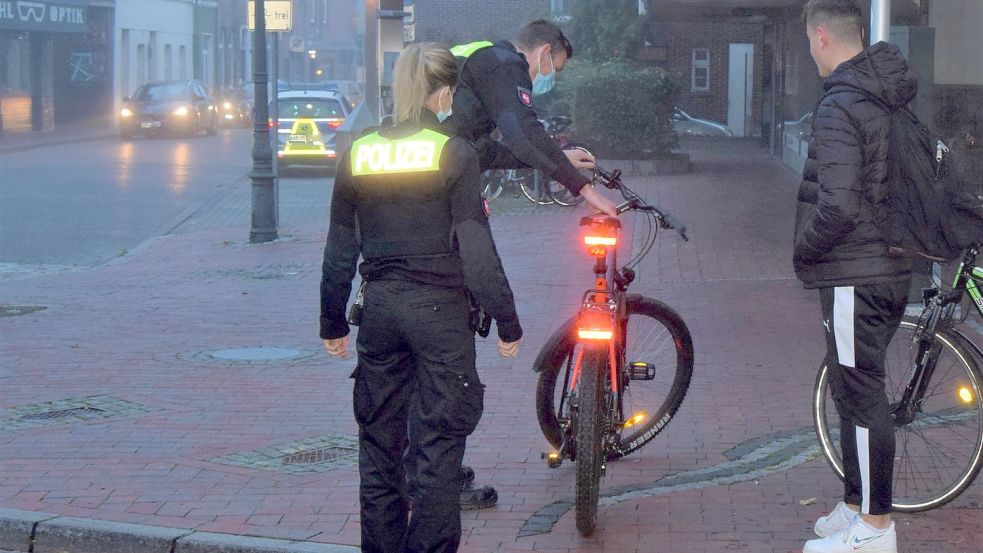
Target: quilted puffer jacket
{"points": [[843, 196]]}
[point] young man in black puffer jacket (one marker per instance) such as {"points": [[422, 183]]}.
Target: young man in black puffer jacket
{"points": [[840, 249]]}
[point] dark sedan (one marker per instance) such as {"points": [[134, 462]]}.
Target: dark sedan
{"points": [[180, 107]]}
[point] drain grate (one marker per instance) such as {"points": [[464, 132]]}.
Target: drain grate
{"points": [[317, 456], [307, 456], [61, 413], [68, 411], [15, 310]]}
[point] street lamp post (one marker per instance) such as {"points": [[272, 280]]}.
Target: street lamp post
{"points": [[264, 213]]}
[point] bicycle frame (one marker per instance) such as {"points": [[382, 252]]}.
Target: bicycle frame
{"points": [[939, 309]]}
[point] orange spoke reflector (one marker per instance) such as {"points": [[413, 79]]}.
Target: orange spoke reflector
{"points": [[594, 334], [601, 240], [638, 418], [966, 395]]}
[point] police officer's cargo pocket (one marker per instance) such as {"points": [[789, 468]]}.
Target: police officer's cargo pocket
{"points": [[362, 404], [462, 399]]}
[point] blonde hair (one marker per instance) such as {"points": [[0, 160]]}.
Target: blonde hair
{"points": [[420, 70]]}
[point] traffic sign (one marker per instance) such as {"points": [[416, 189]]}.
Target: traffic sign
{"points": [[279, 15]]}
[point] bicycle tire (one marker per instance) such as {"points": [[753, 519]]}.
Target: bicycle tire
{"points": [[493, 181], [553, 357], [531, 191], [559, 193], [908, 496], [591, 414]]}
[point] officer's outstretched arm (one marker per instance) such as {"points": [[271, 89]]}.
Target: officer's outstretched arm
{"points": [[340, 255], [483, 272]]}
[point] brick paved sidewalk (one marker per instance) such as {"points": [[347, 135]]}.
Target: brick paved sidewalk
{"points": [[149, 420], [78, 131]]}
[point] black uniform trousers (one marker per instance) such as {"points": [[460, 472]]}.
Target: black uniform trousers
{"points": [[416, 368], [860, 322]]}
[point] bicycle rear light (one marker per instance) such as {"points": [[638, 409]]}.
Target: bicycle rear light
{"points": [[601, 240], [965, 394], [595, 327]]}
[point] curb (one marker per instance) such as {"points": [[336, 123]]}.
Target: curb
{"points": [[15, 148], [33, 532]]}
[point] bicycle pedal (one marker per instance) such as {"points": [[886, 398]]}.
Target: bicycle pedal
{"points": [[641, 371], [553, 460]]}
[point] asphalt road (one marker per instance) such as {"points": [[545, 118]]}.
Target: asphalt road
{"points": [[83, 204]]}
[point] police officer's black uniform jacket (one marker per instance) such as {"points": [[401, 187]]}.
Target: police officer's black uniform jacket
{"points": [[494, 90], [425, 226]]}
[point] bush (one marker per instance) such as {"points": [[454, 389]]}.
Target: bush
{"points": [[621, 109]]}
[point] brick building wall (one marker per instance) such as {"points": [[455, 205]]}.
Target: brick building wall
{"points": [[681, 38], [458, 21]]}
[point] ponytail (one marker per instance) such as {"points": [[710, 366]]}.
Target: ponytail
{"points": [[420, 70]]}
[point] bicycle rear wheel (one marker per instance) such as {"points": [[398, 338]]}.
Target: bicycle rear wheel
{"points": [[557, 191], [591, 415], [529, 181], [494, 182], [656, 337], [940, 452]]}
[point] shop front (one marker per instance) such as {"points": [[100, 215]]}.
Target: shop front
{"points": [[53, 63]]}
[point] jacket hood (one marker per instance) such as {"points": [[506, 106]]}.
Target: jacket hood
{"points": [[880, 71]]}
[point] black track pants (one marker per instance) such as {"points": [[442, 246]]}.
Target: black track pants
{"points": [[416, 360], [860, 322]]}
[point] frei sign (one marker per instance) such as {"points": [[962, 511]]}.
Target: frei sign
{"points": [[66, 16], [279, 15]]}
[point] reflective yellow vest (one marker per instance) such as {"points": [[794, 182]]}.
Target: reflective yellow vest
{"points": [[374, 154]]}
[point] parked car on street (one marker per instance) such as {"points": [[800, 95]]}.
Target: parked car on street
{"points": [[686, 125], [233, 109], [306, 126], [182, 107]]}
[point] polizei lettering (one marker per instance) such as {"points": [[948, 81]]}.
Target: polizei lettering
{"points": [[395, 157]]}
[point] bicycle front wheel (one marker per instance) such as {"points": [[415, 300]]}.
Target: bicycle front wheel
{"points": [[657, 342], [494, 182], [939, 453], [591, 414], [529, 184]]}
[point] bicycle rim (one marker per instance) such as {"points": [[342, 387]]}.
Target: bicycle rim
{"points": [[527, 184], [656, 335], [937, 455], [590, 417], [493, 185]]}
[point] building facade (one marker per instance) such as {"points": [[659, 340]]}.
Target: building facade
{"points": [[459, 21], [55, 62]]}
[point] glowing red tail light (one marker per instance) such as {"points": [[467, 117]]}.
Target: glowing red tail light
{"points": [[595, 327], [601, 240], [335, 123]]}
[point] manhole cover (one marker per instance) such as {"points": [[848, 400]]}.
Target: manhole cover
{"points": [[14, 310], [255, 354], [60, 414], [319, 456]]}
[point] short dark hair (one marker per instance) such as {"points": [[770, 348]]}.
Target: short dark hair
{"points": [[841, 17], [540, 32]]}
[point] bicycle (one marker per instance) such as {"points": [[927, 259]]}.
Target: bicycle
{"points": [[626, 361], [935, 387], [534, 185]]}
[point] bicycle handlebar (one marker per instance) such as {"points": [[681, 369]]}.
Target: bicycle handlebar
{"points": [[612, 180]]}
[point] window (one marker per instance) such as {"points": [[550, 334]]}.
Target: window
{"points": [[701, 70], [312, 10], [324, 11], [558, 10], [168, 63]]}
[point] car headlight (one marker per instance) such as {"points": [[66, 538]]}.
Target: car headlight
{"points": [[125, 112], [227, 105], [181, 111]]}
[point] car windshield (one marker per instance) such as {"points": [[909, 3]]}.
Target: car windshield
{"points": [[314, 108], [148, 93]]}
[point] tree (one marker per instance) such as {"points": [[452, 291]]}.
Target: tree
{"points": [[606, 29]]}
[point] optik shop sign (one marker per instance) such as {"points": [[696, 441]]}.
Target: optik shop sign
{"points": [[64, 16]]}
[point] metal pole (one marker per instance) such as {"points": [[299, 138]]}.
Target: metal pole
{"points": [[275, 115], [372, 85], [880, 21], [264, 217]]}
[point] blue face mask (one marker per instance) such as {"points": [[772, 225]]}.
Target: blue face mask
{"points": [[443, 115], [544, 83]]}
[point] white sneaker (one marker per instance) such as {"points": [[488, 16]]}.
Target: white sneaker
{"points": [[859, 537], [839, 519]]}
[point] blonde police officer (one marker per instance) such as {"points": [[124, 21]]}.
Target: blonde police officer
{"points": [[412, 195]]}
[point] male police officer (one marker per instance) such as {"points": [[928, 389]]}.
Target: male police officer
{"points": [[497, 84]]}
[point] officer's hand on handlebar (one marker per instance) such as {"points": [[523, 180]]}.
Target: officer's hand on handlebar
{"points": [[337, 347], [599, 201], [508, 349], [581, 159]]}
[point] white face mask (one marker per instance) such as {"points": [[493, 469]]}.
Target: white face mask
{"points": [[441, 114]]}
